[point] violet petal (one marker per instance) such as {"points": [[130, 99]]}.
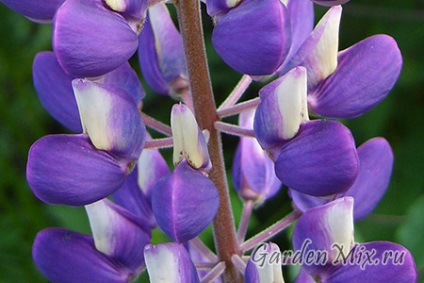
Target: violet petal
{"points": [[90, 49], [184, 203], [68, 169], [368, 70], [254, 37], [118, 233], [321, 160], [68, 257], [54, 89], [390, 262], [38, 11]]}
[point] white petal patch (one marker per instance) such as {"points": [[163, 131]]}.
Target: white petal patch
{"points": [[162, 264], [189, 141], [117, 5], [323, 59], [292, 103], [339, 224], [94, 105], [101, 218]]}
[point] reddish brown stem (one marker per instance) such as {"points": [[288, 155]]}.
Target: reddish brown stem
{"points": [[205, 111]]}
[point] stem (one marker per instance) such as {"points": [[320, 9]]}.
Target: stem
{"points": [[237, 92], [234, 129], [214, 273], [156, 125], [204, 250], [239, 263], [244, 221], [159, 143], [205, 111], [271, 231], [236, 109]]}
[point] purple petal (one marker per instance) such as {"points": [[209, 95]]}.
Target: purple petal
{"points": [[68, 257], [218, 7], [253, 169], [170, 262], [321, 160], [322, 233], [304, 202], [368, 70], [302, 23], [377, 262], [254, 37], [151, 167], [129, 8], [118, 233], [86, 48], [304, 277], [38, 11], [282, 109], [184, 203], [375, 169], [68, 169], [111, 118], [126, 78], [54, 88], [330, 2], [132, 198]]}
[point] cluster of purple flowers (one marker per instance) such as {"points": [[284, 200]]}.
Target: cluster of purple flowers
{"points": [[113, 167]]}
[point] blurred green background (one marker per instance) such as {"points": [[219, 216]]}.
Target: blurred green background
{"points": [[399, 217]]}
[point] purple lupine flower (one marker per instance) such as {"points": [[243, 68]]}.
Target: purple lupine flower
{"points": [[84, 47], [161, 53], [54, 88], [313, 157], [66, 256], [170, 262], [324, 235], [254, 37], [264, 265], [111, 118], [38, 11], [130, 9], [68, 169], [118, 233], [367, 73], [375, 168], [253, 170], [184, 202]]}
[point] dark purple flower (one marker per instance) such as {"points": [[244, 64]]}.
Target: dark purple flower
{"points": [[184, 203], [67, 257], [68, 169], [324, 237], [375, 167], [91, 40], [254, 37]]}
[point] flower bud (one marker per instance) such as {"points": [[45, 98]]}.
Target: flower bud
{"points": [[189, 141], [161, 53], [253, 170]]}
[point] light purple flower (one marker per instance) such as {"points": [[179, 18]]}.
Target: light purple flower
{"points": [[41, 11]]}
